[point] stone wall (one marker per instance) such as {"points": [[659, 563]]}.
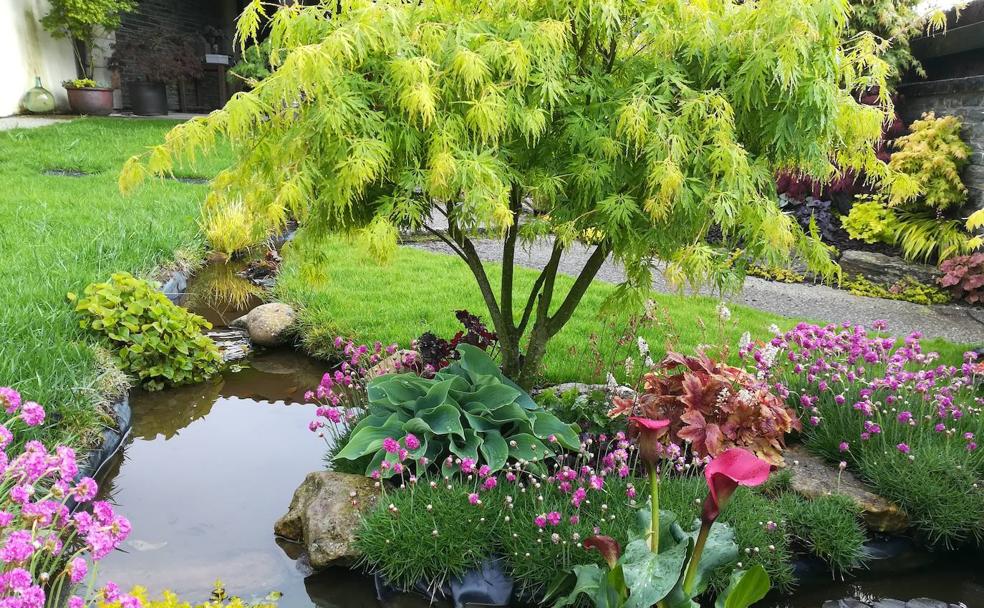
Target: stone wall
{"points": [[190, 17], [961, 97]]}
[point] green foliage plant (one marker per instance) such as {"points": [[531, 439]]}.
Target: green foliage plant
{"points": [[82, 20], [80, 83], [156, 340], [638, 122], [254, 65], [467, 411], [934, 154], [781, 274], [870, 220], [829, 526], [906, 289], [589, 411], [926, 236]]}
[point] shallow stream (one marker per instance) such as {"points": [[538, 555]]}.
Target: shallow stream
{"points": [[209, 468]]}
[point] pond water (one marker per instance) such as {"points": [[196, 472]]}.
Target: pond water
{"points": [[209, 468]]}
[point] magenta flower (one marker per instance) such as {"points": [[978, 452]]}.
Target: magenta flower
{"points": [[647, 432], [411, 441], [32, 413], [10, 399], [844, 446], [390, 445], [473, 498], [540, 521], [553, 518], [734, 467], [903, 447]]}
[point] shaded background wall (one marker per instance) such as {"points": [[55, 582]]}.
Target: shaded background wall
{"points": [[28, 51], [954, 86]]}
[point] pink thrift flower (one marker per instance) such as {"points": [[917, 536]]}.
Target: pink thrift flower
{"points": [[411, 441], [844, 446], [553, 518], [902, 447], [540, 521], [391, 445], [489, 483], [32, 414], [10, 399], [473, 498], [77, 570], [76, 602]]}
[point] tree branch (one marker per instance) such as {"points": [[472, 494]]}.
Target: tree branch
{"points": [[509, 257], [551, 267], [577, 290], [451, 245]]}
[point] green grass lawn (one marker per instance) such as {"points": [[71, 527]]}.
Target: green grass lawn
{"points": [[60, 233], [341, 290]]}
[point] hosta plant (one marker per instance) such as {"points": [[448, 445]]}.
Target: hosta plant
{"points": [[713, 406], [964, 276], [156, 340], [667, 566], [468, 414]]}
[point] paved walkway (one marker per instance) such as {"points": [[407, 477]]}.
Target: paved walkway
{"points": [[817, 302], [29, 122]]}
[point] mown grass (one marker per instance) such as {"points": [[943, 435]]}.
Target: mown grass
{"points": [[342, 290], [59, 233]]}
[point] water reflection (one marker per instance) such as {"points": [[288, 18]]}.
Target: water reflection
{"points": [[207, 471]]}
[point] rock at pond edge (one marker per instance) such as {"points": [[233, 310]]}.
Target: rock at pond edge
{"points": [[325, 514], [812, 477], [267, 324]]}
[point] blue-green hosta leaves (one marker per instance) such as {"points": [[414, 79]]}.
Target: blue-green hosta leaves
{"points": [[468, 410]]}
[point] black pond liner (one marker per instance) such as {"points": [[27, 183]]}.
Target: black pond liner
{"points": [[66, 172], [487, 585]]}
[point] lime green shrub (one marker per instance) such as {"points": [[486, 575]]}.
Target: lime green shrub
{"points": [[155, 339], [934, 155], [870, 220]]}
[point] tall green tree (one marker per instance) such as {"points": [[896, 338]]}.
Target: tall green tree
{"points": [[631, 126]]}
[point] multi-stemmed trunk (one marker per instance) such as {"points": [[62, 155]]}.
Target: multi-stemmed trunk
{"points": [[524, 332]]}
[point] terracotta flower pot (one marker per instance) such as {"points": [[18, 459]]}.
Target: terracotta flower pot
{"points": [[94, 101]]}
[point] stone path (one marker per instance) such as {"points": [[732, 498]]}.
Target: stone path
{"points": [[815, 302], [29, 122]]}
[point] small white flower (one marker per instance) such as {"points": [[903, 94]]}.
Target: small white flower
{"points": [[723, 312]]}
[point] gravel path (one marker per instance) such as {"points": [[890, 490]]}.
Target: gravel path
{"points": [[802, 301]]}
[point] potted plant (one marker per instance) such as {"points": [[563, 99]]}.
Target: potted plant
{"points": [[149, 64], [80, 21]]}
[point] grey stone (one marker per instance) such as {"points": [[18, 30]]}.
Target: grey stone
{"points": [[267, 324], [812, 477], [847, 602], [325, 514], [392, 364], [234, 344], [624, 392], [888, 603], [885, 269]]}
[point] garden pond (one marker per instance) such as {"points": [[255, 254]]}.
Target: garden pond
{"points": [[208, 468]]}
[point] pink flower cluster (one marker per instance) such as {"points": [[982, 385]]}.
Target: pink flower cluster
{"points": [[888, 389], [43, 544], [341, 394]]}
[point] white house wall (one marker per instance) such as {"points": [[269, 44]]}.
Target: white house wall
{"points": [[26, 51]]}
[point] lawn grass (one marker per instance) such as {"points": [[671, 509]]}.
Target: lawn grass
{"points": [[342, 290], [59, 233]]}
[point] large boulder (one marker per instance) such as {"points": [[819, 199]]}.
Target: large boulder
{"points": [[813, 476], [267, 324], [324, 515], [885, 269]]}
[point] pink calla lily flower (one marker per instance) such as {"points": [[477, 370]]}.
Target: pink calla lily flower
{"points": [[733, 468], [607, 546], [647, 432]]}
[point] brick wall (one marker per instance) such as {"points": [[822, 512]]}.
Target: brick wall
{"points": [[190, 17]]}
